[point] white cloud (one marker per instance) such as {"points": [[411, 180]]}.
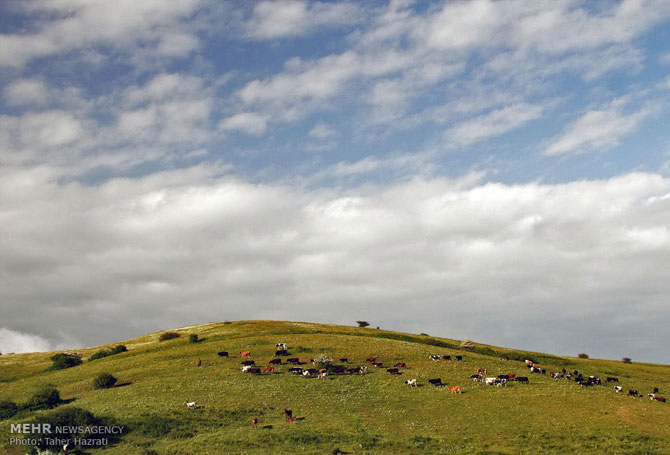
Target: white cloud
{"points": [[26, 92], [321, 131], [597, 129], [284, 18], [15, 342], [246, 122], [461, 258], [494, 123]]}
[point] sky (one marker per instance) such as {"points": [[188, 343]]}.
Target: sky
{"points": [[489, 170]]}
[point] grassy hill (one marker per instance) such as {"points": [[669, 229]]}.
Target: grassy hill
{"points": [[357, 414]]}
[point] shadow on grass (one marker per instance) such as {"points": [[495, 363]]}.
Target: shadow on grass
{"points": [[123, 384]]}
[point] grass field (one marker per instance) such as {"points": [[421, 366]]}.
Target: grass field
{"points": [[373, 413]]}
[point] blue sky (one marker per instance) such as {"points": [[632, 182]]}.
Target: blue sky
{"points": [[466, 169]]}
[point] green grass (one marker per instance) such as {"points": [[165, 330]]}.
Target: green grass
{"points": [[363, 414]]}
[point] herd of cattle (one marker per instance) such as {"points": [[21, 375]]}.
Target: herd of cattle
{"points": [[501, 380]]}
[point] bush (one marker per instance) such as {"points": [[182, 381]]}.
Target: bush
{"points": [[362, 323], [467, 345], [168, 336], [7, 409], [193, 338], [104, 381], [47, 398], [62, 361], [107, 352], [323, 361], [583, 356], [626, 360]]}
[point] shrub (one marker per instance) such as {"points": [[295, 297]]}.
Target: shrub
{"points": [[104, 381], [583, 356], [7, 409], [47, 398], [626, 360], [362, 323], [193, 338], [467, 345], [424, 334], [70, 417], [108, 351], [168, 336], [62, 361], [323, 361]]}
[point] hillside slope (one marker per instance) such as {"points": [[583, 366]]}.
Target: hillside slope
{"points": [[358, 414]]}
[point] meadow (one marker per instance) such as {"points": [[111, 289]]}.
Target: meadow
{"points": [[374, 413]]}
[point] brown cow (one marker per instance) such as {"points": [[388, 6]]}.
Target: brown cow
{"points": [[268, 370], [455, 389], [245, 353]]}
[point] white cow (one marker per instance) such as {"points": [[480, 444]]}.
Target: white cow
{"points": [[190, 404], [411, 382]]}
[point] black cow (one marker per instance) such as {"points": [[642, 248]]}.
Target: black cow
{"points": [[655, 390], [288, 413], [459, 358], [281, 353], [222, 354], [436, 382], [344, 360], [393, 371], [446, 357], [611, 379], [248, 362], [522, 379], [295, 370], [254, 371], [353, 370], [293, 361], [632, 392], [339, 369], [275, 362]]}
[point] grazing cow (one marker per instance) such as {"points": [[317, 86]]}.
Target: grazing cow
{"points": [[393, 371], [323, 375], [655, 389], [481, 371], [611, 379], [254, 423], [411, 383], [490, 381], [362, 370], [339, 369], [660, 399], [275, 362], [281, 353], [246, 368], [446, 357], [344, 360], [585, 383], [529, 362], [306, 373], [268, 370], [434, 358], [352, 370], [321, 370], [400, 365], [502, 376], [455, 389], [501, 382], [190, 404], [288, 413], [295, 370], [511, 375], [222, 354], [254, 371], [371, 359], [632, 392], [245, 354], [377, 364], [618, 388], [280, 346], [476, 377], [459, 358], [248, 362], [293, 361], [436, 382], [522, 379]]}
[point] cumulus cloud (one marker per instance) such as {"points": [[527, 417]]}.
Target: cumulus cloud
{"points": [[246, 122], [12, 341], [447, 257]]}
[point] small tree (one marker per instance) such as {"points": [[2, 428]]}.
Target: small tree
{"points": [[626, 360], [362, 323], [581, 355], [47, 398], [62, 361], [193, 338], [467, 345], [167, 336], [104, 381]]}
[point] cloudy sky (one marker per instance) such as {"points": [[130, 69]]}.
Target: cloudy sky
{"points": [[491, 170]]}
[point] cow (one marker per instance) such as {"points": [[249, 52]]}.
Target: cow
{"points": [[455, 389], [323, 375], [352, 370], [459, 358], [618, 388], [248, 362], [446, 357], [585, 383], [245, 354], [612, 379], [436, 382], [660, 399], [339, 369], [655, 389], [295, 370], [222, 354], [400, 365], [377, 364], [288, 413], [281, 353], [254, 423], [522, 379], [254, 371], [511, 375], [481, 371], [280, 346], [246, 368], [293, 361], [501, 382], [344, 360], [434, 358], [275, 362], [371, 359], [306, 373], [190, 404], [529, 363], [502, 376], [362, 370], [490, 381], [411, 383], [476, 377], [393, 371], [632, 392], [268, 370]]}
